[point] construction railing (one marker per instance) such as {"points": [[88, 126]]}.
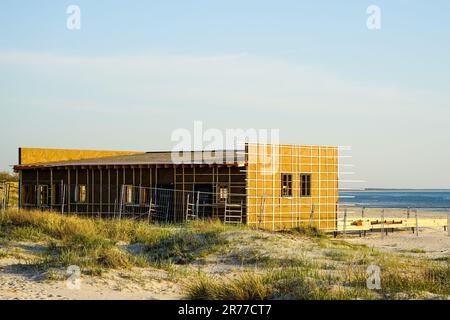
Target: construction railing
{"points": [[360, 220], [169, 205], [5, 190]]}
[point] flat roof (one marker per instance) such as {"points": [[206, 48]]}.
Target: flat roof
{"points": [[217, 157]]}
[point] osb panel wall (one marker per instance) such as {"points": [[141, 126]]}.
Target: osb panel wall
{"points": [[266, 208], [40, 155]]}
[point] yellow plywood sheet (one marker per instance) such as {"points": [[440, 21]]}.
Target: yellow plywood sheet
{"points": [[42, 155], [266, 208]]}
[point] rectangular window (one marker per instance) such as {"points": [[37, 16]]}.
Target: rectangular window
{"points": [[286, 185], [223, 194], [81, 193], [305, 185], [128, 194]]}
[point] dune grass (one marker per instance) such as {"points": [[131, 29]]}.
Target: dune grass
{"points": [[342, 275], [96, 245], [307, 231], [328, 269], [287, 283]]}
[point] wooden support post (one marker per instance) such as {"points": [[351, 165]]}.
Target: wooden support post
{"points": [[150, 177], [214, 183], [116, 201], [109, 192], [93, 191], [186, 212], [121, 201], [362, 212], [101, 192], [3, 197], [68, 191], [448, 222], [52, 193], [345, 221], [197, 205], [174, 194], [417, 223], [88, 191], [38, 193], [382, 223], [184, 200], [150, 208], [20, 190], [407, 213], [63, 196], [77, 194]]}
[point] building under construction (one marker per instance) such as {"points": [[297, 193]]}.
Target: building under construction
{"points": [[263, 185]]}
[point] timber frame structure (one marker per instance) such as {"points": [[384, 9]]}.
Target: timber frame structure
{"points": [[263, 185]]}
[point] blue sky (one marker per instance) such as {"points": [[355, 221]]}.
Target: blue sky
{"points": [[138, 70]]}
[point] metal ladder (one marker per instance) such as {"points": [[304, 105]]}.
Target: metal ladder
{"points": [[233, 213], [192, 208]]}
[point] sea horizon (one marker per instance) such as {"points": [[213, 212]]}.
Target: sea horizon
{"points": [[426, 199]]}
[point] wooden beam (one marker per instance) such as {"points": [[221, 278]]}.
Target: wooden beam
{"points": [[52, 193], [109, 191], [68, 191], [101, 192], [77, 197]]}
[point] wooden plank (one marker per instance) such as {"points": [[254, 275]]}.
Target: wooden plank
{"points": [[390, 223]]}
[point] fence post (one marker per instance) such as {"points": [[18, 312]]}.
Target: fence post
{"points": [[187, 207], [382, 223], [3, 186], [197, 204], [362, 212], [448, 222], [417, 224], [150, 207], [121, 201], [407, 213], [345, 222], [262, 209], [63, 198]]}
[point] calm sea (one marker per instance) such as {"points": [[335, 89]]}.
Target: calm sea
{"points": [[431, 200]]}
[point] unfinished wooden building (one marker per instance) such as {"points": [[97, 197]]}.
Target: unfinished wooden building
{"points": [[267, 186]]}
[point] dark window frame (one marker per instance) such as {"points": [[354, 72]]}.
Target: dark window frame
{"points": [[305, 185], [286, 185], [223, 196]]}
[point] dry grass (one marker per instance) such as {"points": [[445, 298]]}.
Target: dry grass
{"points": [[298, 264], [92, 244]]}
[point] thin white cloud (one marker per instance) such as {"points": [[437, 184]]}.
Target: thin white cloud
{"points": [[233, 81]]}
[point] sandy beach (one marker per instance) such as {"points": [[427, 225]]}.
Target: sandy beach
{"points": [[20, 279], [431, 242]]}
